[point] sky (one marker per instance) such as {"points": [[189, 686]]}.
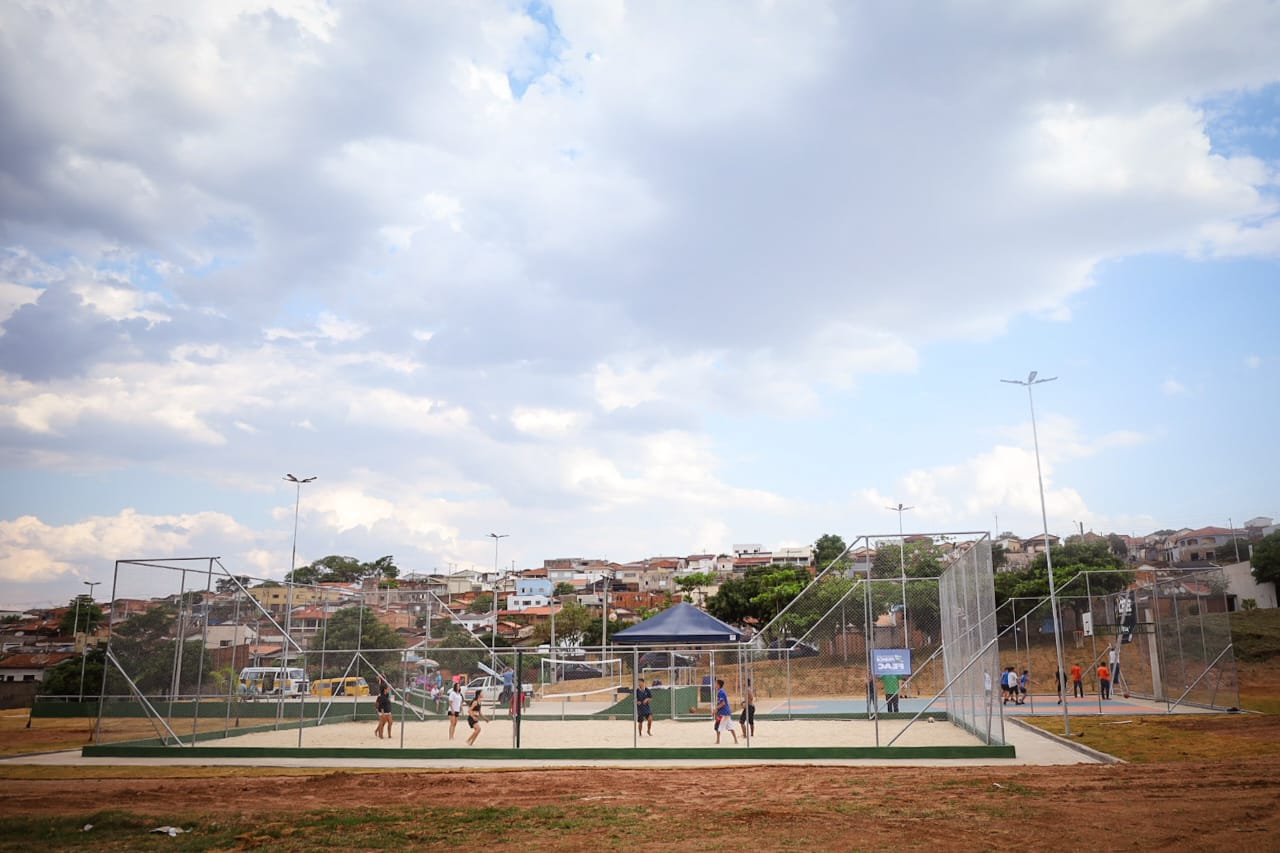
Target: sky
{"points": [[622, 280]]}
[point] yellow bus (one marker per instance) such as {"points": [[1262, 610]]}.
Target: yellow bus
{"points": [[351, 686]]}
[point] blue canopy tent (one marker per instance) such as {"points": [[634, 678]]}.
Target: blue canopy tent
{"points": [[682, 623]]}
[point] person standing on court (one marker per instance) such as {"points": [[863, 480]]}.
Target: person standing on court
{"points": [[1113, 663], [455, 707], [749, 710], [383, 706], [1104, 681], [1023, 681], [724, 712], [1077, 681], [508, 685], [475, 716], [644, 713]]}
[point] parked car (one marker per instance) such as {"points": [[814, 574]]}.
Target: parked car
{"points": [[780, 649], [575, 671], [665, 660], [272, 681], [491, 690]]}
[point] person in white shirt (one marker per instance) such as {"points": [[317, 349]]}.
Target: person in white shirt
{"points": [[455, 707]]}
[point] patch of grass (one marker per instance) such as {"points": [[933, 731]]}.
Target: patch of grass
{"points": [[1189, 737], [403, 827], [1256, 634]]}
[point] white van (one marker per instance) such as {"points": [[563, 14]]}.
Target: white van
{"points": [[272, 681]]}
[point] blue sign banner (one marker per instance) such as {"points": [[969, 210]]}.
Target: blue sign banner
{"points": [[891, 661]]}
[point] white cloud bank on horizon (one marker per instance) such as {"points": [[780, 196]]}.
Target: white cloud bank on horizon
{"points": [[340, 237]]}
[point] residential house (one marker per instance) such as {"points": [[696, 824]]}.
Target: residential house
{"points": [[1035, 544], [1196, 546], [29, 666]]}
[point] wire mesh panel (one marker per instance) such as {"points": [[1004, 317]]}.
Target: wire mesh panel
{"points": [[970, 654], [1171, 638]]}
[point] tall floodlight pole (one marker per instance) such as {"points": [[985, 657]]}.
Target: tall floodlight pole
{"points": [[496, 537], [1048, 557], [902, 554], [293, 565], [84, 649]]}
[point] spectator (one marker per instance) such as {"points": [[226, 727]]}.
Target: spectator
{"points": [[891, 686]]}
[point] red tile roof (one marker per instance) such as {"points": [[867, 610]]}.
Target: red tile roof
{"points": [[36, 660]]}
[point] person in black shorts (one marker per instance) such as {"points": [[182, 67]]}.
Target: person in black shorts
{"points": [[475, 715], [644, 714], [383, 706], [748, 718]]}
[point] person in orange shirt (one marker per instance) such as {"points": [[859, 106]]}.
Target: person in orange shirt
{"points": [[1077, 683], [1104, 681]]}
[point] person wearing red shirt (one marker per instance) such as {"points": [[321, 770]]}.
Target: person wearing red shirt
{"points": [[1104, 681], [1077, 683]]}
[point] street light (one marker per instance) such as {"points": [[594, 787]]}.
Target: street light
{"points": [[1048, 558], [493, 607], [293, 565], [902, 554], [84, 648]]}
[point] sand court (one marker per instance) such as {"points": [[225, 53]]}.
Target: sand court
{"points": [[604, 734]]}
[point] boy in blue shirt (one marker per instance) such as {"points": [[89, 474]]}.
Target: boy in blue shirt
{"points": [[724, 714]]}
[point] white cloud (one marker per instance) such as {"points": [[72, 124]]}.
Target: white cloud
{"points": [[340, 238], [1173, 388], [13, 297], [545, 422], [34, 550], [1253, 362]]}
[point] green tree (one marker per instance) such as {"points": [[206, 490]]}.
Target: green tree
{"points": [[459, 649], [1118, 546], [1224, 553], [64, 679], [564, 588], [1266, 560], [827, 549], [81, 611], [572, 622], [1107, 575], [147, 650], [354, 628], [761, 593], [695, 581], [340, 569]]}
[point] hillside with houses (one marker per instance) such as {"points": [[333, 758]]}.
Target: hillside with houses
{"points": [[243, 622]]}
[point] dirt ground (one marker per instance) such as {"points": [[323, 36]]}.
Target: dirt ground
{"points": [[1196, 784], [1199, 805]]}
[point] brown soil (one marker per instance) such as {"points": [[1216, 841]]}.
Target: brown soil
{"points": [[1205, 806]]}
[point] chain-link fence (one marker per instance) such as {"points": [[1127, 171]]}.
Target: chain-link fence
{"points": [[197, 655], [1163, 636]]}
